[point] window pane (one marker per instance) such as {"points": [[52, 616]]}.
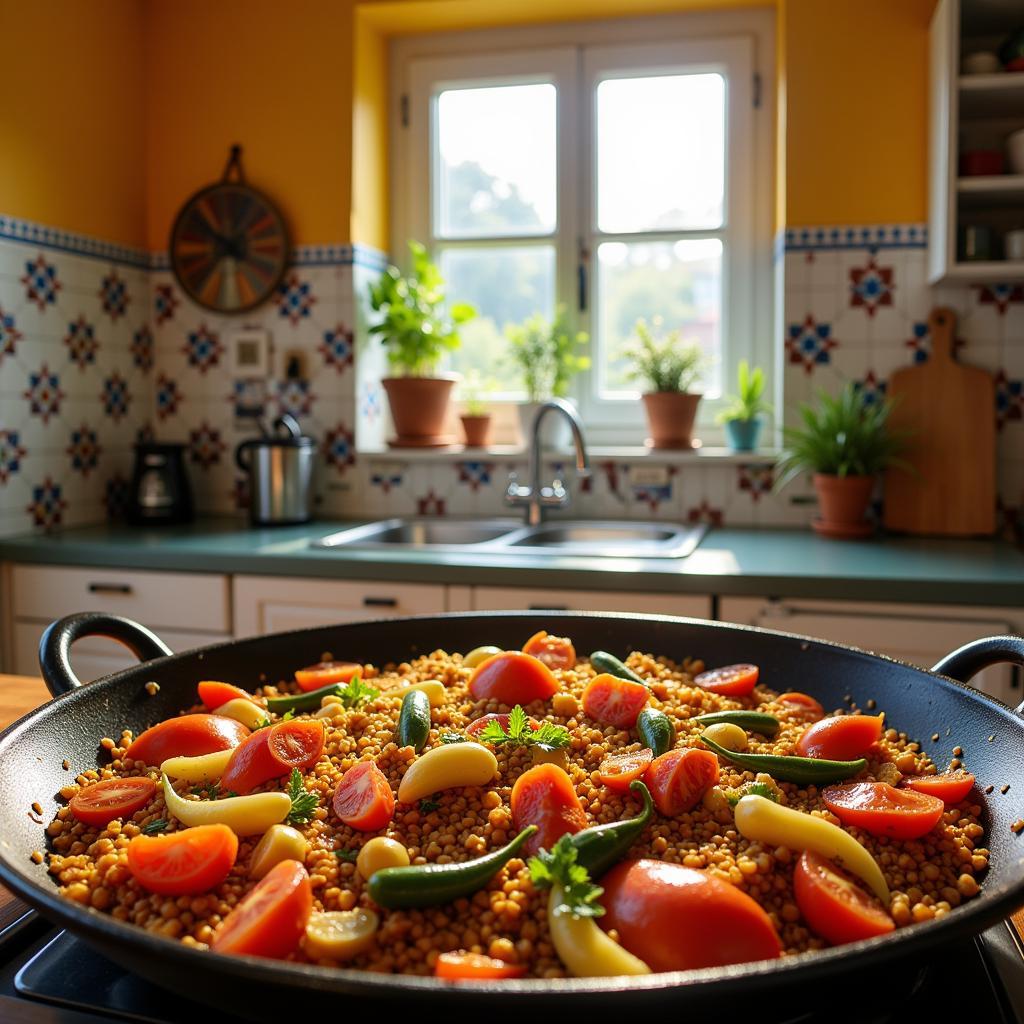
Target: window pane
{"points": [[506, 285], [679, 281], [660, 153], [495, 161]]}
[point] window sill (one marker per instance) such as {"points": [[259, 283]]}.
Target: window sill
{"points": [[515, 453]]}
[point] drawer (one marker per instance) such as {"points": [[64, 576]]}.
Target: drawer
{"points": [[543, 599], [160, 600]]}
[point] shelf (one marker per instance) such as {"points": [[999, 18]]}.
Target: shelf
{"points": [[598, 453], [991, 190], [992, 96], [987, 272]]}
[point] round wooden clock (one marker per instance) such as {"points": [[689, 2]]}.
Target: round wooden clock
{"points": [[229, 244]]}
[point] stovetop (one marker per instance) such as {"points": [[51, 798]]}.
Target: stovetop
{"points": [[49, 977]]}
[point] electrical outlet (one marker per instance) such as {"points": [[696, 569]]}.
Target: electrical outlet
{"points": [[249, 349], [648, 476]]}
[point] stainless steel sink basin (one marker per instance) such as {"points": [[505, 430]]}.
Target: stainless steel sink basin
{"points": [[420, 533]]}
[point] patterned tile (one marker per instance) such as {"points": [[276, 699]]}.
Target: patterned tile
{"points": [[339, 448], [11, 454], [871, 389], [44, 394], [41, 283], [202, 348], [84, 450], [205, 446], [168, 397], [81, 343], [755, 481], [114, 296], [9, 334], [1009, 399], [165, 302], [474, 474], [294, 299], [430, 504], [871, 286], [295, 397], [337, 347], [142, 349], [115, 397], [47, 508], [810, 344], [705, 513], [1000, 295]]}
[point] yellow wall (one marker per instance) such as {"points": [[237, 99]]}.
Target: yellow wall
{"points": [[71, 116]]}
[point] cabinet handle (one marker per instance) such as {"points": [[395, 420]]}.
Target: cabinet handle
{"points": [[547, 607], [110, 588], [380, 602]]}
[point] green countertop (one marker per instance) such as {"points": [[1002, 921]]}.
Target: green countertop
{"points": [[756, 562]]}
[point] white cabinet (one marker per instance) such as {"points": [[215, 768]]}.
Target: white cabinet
{"points": [[544, 599], [919, 634], [273, 604]]}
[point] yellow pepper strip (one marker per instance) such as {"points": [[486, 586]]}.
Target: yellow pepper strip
{"points": [[204, 768], [479, 655], [280, 842], [768, 822], [242, 710], [433, 688], [448, 767], [584, 949], [244, 815]]}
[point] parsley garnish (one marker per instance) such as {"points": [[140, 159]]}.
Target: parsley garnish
{"points": [[304, 803], [427, 805], [356, 692], [751, 789], [263, 723], [286, 717], [559, 867], [211, 790], [350, 855], [155, 827], [519, 733], [453, 737]]}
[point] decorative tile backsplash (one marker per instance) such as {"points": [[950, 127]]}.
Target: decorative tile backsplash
{"points": [[99, 347]]}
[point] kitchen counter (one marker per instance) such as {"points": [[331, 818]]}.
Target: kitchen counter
{"points": [[755, 562]]}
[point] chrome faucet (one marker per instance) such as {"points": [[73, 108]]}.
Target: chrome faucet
{"points": [[536, 498]]}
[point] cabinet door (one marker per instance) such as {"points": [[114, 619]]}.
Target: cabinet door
{"points": [[544, 599], [274, 604]]}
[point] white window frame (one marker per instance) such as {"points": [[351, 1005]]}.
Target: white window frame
{"points": [[741, 44]]}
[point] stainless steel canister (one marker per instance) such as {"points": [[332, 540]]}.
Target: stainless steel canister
{"points": [[280, 469]]}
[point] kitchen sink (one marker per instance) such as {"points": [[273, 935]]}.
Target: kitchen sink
{"points": [[420, 533]]}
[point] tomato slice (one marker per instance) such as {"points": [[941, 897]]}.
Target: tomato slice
{"points": [[251, 764], [615, 701], [802, 704], [479, 724], [677, 919], [474, 967], [883, 810], [512, 678], [731, 680], [297, 744], [833, 906], [844, 738], [213, 693], [272, 919], [619, 770], [112, 798], [554, 651], [363, 799], [183, 863], [312, 677], [545, 796], [950, 787], [679, 778], [186, 736]]}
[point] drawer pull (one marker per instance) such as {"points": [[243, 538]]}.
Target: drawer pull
{"points": [[110, 588], [380, 602], [547, 607]]}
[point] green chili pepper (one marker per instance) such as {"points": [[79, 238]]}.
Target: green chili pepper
{"points": [[304, 701], [656, 730], [601, 846], [814, 770], [605, 662], [429, 885], [752, 721], [413, 720]]}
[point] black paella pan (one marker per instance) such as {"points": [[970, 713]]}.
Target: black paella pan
{"points": [[917, 702]]}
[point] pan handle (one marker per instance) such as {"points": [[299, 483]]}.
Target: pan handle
{"points": [[55, 645], [973, 657]]}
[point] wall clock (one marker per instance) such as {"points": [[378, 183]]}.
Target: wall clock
{"points": [[229, 244]]}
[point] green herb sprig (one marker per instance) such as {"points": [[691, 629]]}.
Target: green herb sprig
{"points": [[347, 855], [519, 733], [266, 722], [304, 803], [428, 805], [453, 737], [356, 692], [559, 867], [155, 827], [751, 789]]}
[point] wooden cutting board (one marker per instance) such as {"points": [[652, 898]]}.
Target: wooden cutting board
{"points": [[948, 411]]}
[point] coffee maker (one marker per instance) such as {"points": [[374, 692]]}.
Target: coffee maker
{"points": [[160, 492]]}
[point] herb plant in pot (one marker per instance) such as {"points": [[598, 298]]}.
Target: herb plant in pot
{"points": [[742, 416], [669, 368], [475, 417], [417, 329], [845, 443], [547, 355]]}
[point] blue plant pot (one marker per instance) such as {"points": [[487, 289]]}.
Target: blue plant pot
{"points": [[743, 435]]}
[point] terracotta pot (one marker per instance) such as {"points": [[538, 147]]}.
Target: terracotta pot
{"points": [[843, 501], [670, 416], [477, 429], [418, 409]]}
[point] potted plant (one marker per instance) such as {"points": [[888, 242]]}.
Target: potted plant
{"points": [[669, 368], [742, 416], [548, 355], [417, 328], [845, 443], [475, 417]]}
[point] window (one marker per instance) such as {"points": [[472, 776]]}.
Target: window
{"points": [[617, 180]]}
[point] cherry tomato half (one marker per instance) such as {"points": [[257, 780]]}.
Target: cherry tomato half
{"points": [[801, 704], [615, 701], [186, 736], [676, 919], [474, 967], [104, 801], [730, 680], [363, 799], [844, 738], [554, 651], [272, 918], [619, 770], [950, 787], [883, 810], [679, 778], [297, 744], [479, 724], [833, 906], [251, 764], [544, 796], [312, 677], [183, 863], [512, 678], [213, 693]]}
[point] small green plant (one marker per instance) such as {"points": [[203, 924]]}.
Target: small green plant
{"points": [[747, 404], [842, 436], [416, 327], [473, 390], [662, 359], [547, 354]]}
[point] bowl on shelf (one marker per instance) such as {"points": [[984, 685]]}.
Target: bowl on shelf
{"points": [[982, 162], [983, 62]]}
